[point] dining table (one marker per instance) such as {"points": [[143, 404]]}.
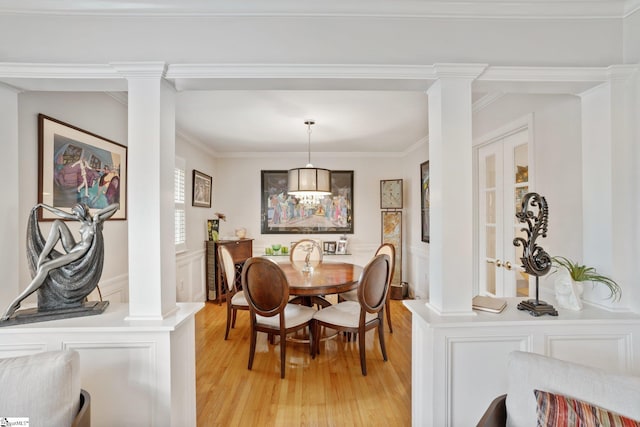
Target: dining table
{"points": [[325, 278]]}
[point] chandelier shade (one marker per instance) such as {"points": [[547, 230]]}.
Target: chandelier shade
{"points": [[309, 181]]}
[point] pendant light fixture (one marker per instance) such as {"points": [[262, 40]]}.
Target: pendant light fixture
{"points": [[309, 184]]}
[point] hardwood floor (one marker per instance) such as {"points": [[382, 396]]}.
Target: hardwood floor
{"points": [[326, 391]]}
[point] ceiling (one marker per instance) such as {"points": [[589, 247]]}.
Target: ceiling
{"points": [[394, 120]]}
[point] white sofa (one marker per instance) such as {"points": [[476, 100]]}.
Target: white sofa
{"points": [[45, 388], [529, 371]]}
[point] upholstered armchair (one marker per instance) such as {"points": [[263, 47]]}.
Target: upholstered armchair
{"points": [[45, 388]]}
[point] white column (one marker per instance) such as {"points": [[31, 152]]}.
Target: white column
{"points": [[610, 184], [11, 230], [451, 188], [151, 161]]}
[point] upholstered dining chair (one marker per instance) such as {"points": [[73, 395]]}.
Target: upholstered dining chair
{"points": [[236, 299], [267, 291], [363, 315], [388, 249]]}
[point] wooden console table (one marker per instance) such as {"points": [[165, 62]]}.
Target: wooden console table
{"points": [[240, 250]]}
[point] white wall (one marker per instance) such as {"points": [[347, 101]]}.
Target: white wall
{"points": [[97, 113], [631, 40], [557, 157]]}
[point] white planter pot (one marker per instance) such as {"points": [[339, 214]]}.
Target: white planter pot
{"points": [[568, 292]]}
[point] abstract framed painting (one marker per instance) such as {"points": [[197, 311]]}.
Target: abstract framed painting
{"points": [[77, 166]]}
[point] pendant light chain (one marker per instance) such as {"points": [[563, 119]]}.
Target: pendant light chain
{"points": [[309, 123]]}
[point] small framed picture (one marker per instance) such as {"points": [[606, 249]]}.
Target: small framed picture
{"points": [[391, 194], [341, 249], [329, 247], [201, 190]]}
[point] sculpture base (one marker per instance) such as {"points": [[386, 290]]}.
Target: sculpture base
{"points": [[537, 308], [32, 315]]}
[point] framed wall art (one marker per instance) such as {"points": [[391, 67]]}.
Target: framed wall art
{"points": [[282, 213], [201, 190], [424, 197], [392, 233], [329, 247], [391, 194], [77, 166]]}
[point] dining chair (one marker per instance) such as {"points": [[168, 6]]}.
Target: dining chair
{"points": [[267, 291], [365, 314], [235, 298], [388, 249]]}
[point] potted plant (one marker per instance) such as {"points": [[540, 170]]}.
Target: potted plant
{"points": [[569, 288]]}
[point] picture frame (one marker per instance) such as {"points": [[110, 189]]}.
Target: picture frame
{"points": [[201, 190], [391, 194], [77, 166], [285, 214], [329, 247], [391, 232], [213, 229], [341, 248], [424, 200]]}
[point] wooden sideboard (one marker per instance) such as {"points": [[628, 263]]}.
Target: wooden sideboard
{"points": [[240, 250]]}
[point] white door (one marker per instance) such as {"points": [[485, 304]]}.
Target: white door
{"points": [[503, 179]]}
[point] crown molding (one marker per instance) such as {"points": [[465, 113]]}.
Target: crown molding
{"points": [[140, 70], [407, 9], [53, 71], [486, 100]]}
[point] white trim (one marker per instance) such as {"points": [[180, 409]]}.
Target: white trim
{"points": [[406, 9]]}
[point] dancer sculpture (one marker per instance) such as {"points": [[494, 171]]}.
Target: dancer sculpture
{"points": [[64, 279]]}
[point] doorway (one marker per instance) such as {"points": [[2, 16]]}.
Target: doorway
{"points": [[504, 177]]}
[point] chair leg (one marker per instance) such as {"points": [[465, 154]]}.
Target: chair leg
{"points": [[361, 344], [383, 348], [252, 346], [226, 332], [233, 317], [283, 354], [312, 339], [387, 308]]}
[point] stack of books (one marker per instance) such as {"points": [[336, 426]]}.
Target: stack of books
{"points": [[490, 304]]}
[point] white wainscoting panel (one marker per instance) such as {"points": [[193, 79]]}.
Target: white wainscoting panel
{"points": [[138, 373], [191, 276], [459, 362]]}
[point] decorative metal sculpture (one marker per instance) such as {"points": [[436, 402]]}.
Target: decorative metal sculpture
{"points": [[63, 280], [535, 260]]}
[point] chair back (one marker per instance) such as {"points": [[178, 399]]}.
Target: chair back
{"points": [[228, 268], [388, 249], [374, 284], [306, 250], [265, 286]]}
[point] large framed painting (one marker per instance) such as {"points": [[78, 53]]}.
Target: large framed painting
{"points": [[284, 214], [424, 197], [392, 233], [77, 166]]}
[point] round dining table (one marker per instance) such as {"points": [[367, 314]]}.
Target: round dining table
{"points": [[326, 278]]}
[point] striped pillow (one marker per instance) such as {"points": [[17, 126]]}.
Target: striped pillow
{"points": [[556, 410]]}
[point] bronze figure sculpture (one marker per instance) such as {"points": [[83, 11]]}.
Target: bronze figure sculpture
{"points": [[63, 280]]}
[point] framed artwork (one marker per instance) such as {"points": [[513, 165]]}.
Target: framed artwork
{"points": [[341, 249], [201, 190], [329, 247], [424, 197], [77, 166], [213, 228], [391, 194], [392, 233], [282, 213]]}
